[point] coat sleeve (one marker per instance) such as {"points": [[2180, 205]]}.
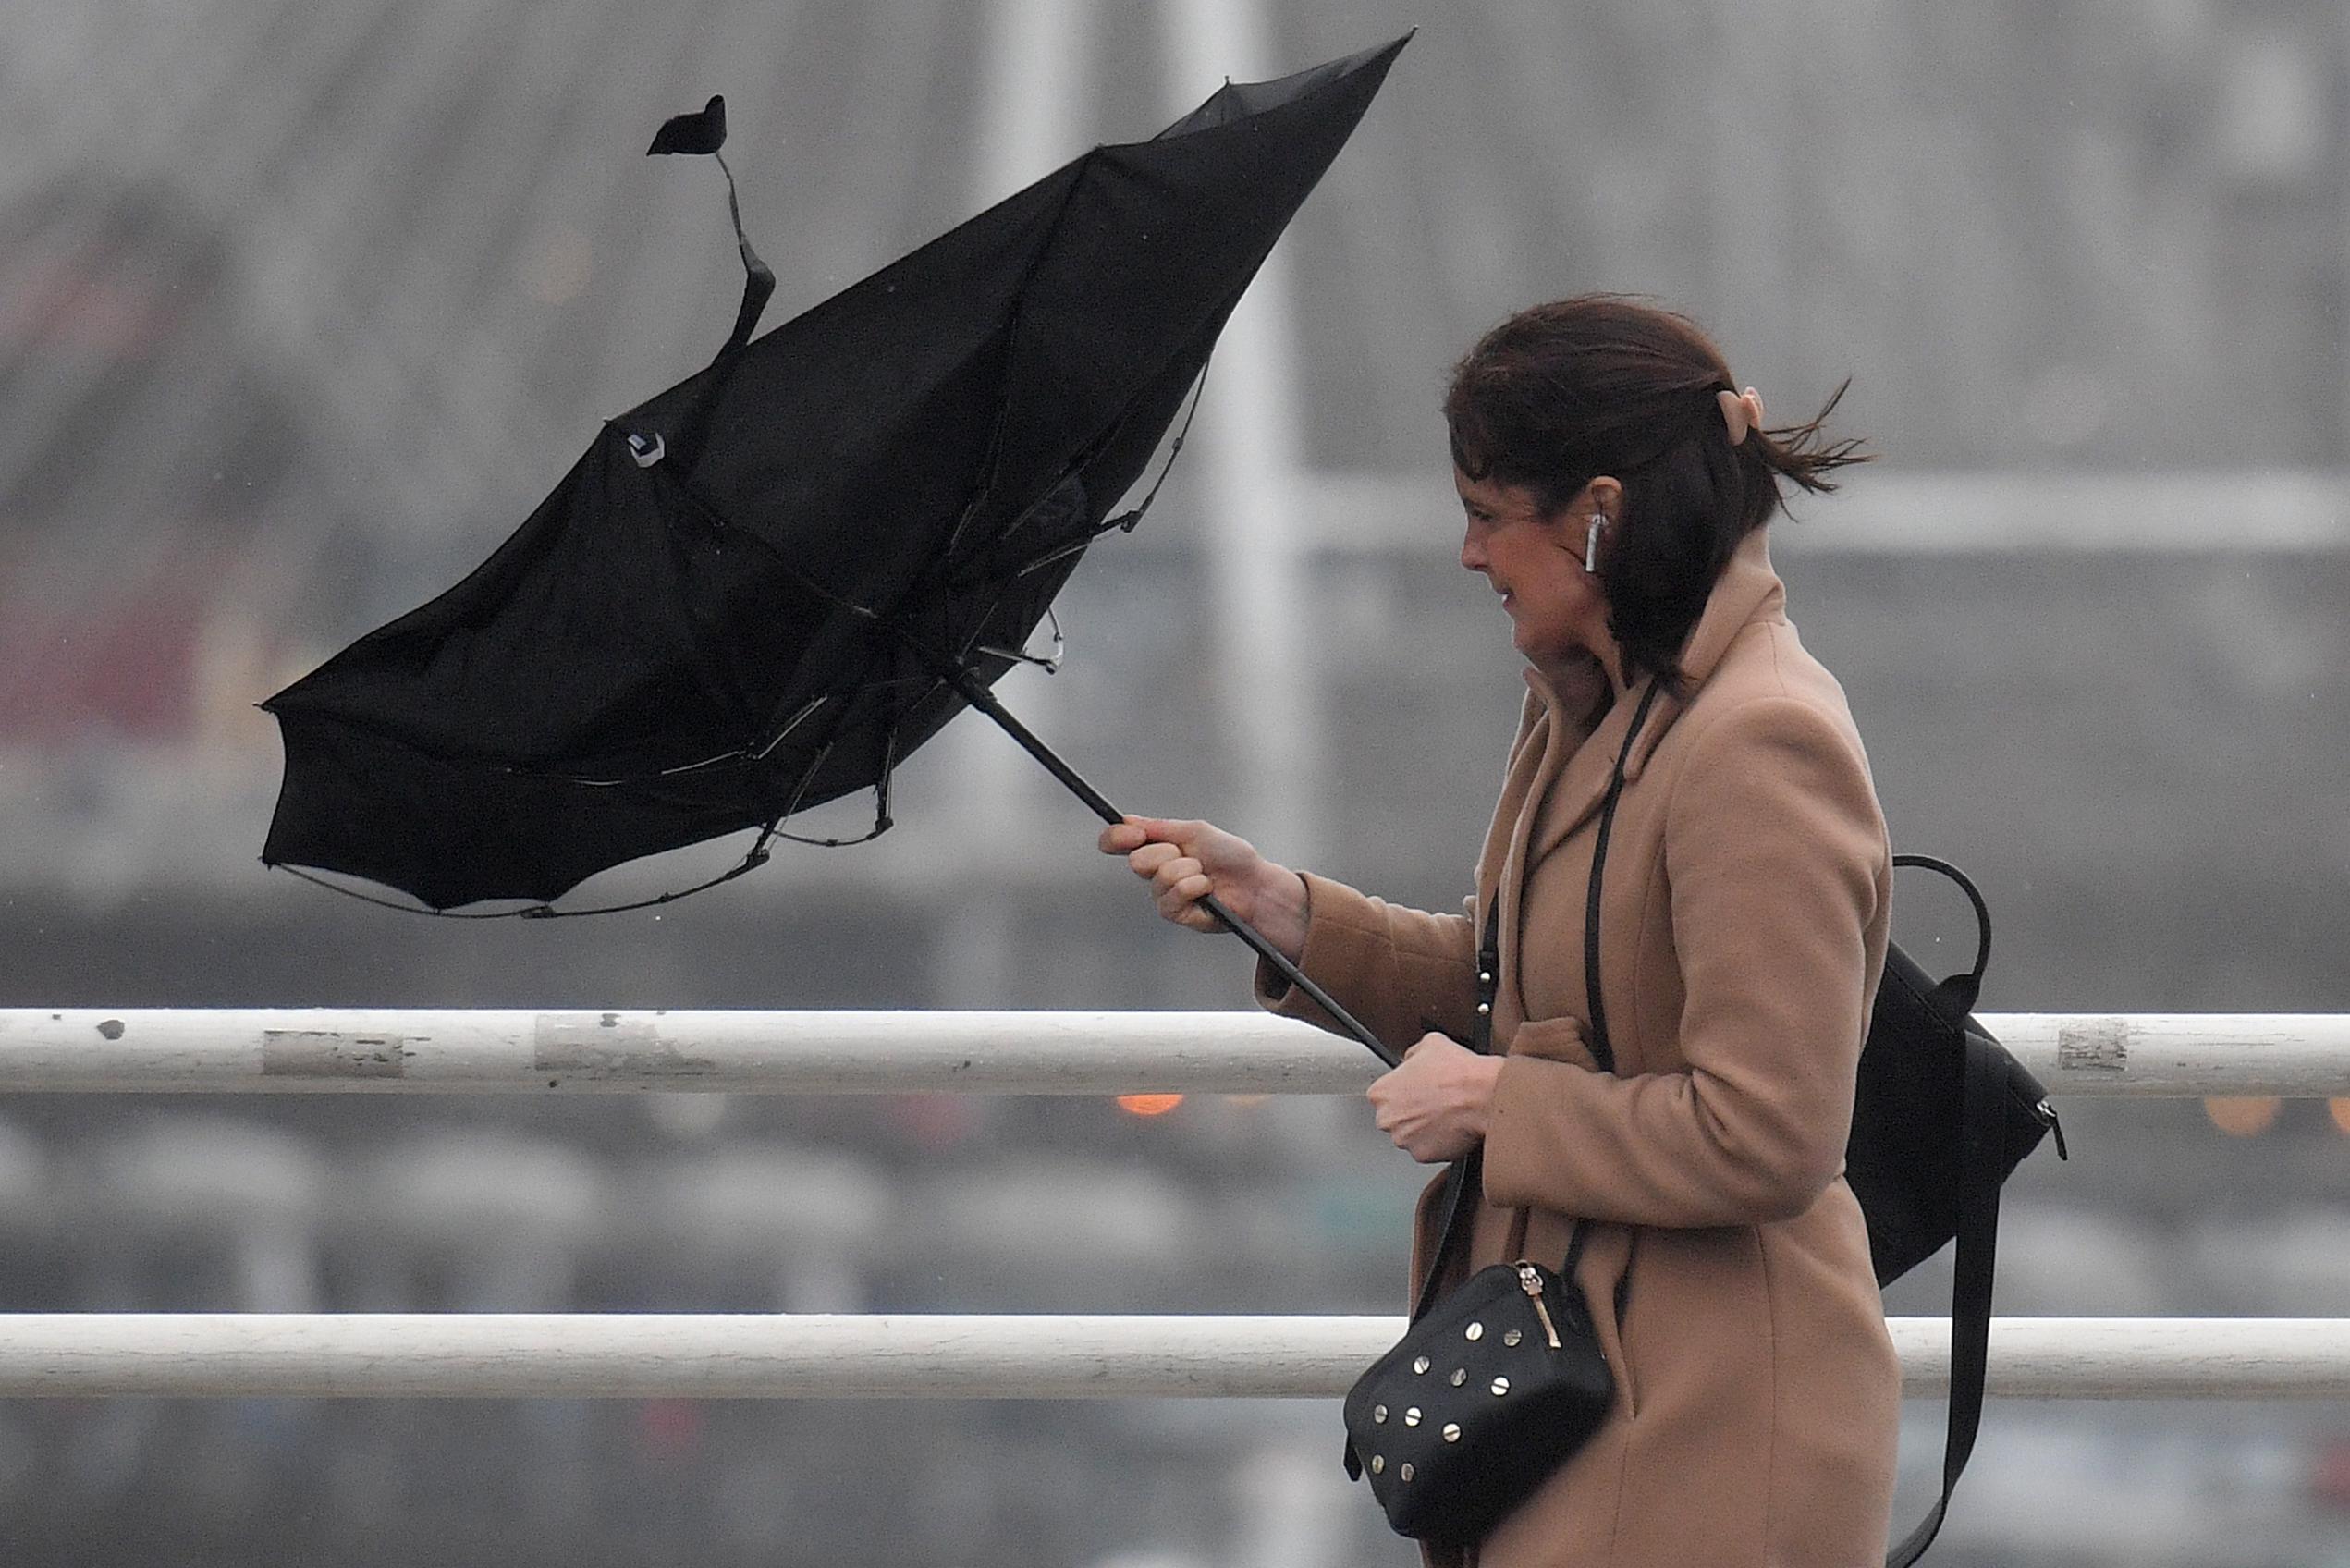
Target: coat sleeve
{"points": [[1775, 861], [1402, 971]]}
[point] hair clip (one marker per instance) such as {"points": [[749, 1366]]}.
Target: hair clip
{"points": [[1742, 411]]}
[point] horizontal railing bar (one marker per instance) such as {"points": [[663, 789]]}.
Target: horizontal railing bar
{"points": [[264, 1051], [715, 1356]]}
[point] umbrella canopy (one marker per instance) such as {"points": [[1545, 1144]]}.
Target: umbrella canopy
{"points": [[759, 590]]}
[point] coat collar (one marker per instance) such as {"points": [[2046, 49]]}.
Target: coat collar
{"points": [[1747, 592]]}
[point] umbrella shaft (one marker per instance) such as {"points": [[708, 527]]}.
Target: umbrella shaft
{"points": [[975, 691]]}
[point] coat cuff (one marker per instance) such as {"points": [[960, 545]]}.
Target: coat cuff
{"points": [[1525, 1165], [1341, 929], [1396, 970]]}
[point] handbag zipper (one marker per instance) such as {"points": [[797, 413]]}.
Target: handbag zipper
{"points": [[1531, 1283]]}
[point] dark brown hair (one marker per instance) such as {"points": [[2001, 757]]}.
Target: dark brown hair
{"points": [[1601, 383]]}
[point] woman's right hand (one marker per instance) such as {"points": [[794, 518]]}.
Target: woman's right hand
{"points": [[1184, 862]]}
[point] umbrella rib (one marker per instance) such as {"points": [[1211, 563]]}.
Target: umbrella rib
{"points": [[317, 881], [882, 821], [1127, 522], [1084, 164], [1050, 663]]}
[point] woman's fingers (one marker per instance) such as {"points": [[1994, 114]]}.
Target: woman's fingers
{"points": [[1137, 832], [1178, 883], [1146, 861], [1184, 861], [1167, 870]]}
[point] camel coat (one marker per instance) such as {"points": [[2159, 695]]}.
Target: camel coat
{"points": [[1743, 922]]}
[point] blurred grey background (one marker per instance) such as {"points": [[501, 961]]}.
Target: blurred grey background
{"points": [[303, 305]]}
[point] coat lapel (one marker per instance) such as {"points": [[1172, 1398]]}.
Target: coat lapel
{"points": [[1747, 591], [1558, 770]]}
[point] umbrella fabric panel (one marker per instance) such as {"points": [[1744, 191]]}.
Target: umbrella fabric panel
{"points": [[454, 833], [1160, 241], [580, 647], [808, 443]]}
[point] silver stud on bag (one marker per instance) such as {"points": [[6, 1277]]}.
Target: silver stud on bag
{"points": [[1460, 1376], [1379, 1463], [1476, 1331], [1512, 1336], [1378, 1412], [1406, 1471], [1419, 1364], [1500, 1387], [1452, 1433], [1411, 1416], [1485, 977], [1484, 1008]]}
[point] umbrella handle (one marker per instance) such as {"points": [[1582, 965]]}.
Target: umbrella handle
{"points": [[975, 691]]}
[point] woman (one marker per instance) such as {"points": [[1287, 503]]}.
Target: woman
{"points": [[1616, 488]]}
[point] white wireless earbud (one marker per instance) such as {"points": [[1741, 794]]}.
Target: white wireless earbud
{"points": [[1591, 542]]}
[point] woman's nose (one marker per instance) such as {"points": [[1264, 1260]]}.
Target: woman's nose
{"points": [[1473, 555]]}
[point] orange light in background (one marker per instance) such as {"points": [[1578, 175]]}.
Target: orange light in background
{"points": [[2243, 1116], [1148, 1105], [2339, 1108]]}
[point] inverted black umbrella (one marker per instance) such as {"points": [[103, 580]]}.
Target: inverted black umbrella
{"points": [[758, 590]]}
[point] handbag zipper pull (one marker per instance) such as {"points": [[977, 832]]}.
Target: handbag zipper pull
{"points": [[1531, 1283]]}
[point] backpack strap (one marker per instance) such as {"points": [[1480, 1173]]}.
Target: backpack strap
{"points": [[1961, 990], [1982, 1163], [1982, 1166]]}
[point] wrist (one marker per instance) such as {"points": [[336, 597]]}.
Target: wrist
{"points": [[1485, 1081], [1285, 910]]}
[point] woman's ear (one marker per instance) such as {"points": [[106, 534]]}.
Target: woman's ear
{"points": [[1597, 503]]}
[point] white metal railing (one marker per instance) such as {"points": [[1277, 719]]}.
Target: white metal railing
{"points": [[729, 1357], [265, 1051], [940, 1357]]}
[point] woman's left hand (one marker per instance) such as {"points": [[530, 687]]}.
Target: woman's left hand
{"points": [[1434, 1106]]}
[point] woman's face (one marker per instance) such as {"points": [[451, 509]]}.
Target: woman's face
{"points": [[1535, 564]]}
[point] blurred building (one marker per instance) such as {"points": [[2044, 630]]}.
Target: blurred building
{"points": [[303, 306]]}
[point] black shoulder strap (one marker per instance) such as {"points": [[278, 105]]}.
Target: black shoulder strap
{"points": [[1600, 1049], [1462, 1178]]}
